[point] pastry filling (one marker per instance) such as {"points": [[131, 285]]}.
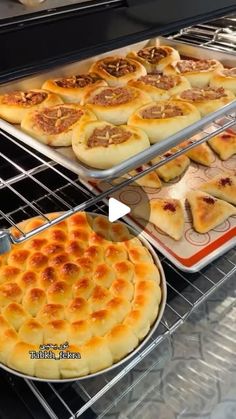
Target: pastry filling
{"points": [[162, 111], [57, 119], [229, 72], [185, 66], [160, 81], [152, 54], [103, 137], [225, 181], [81, 81], [208, 93], [25, 99], [118, 67], [169, 206], [208, 200], [227, 137], [115, 96]]}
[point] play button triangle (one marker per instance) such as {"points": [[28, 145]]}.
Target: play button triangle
{"points": [[117, 209]]}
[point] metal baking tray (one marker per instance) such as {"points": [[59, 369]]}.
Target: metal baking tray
{"points": [[65, 155], [153, 328]]}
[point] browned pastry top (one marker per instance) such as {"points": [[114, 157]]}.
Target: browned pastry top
{"points": [[207, 93], [57, 119], [162, 111], [108, 135], [25, 99], [82, 80]]}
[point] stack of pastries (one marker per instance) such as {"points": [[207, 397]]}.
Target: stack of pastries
{"points": [[122, 105], [85, 287]]}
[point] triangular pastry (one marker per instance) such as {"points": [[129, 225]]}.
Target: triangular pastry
{"points": [[166, 214], [150, 180], [173, 168], [208, 212], [224, 144], [200, 154], [222, 186]]}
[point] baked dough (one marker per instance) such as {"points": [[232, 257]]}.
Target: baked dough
{"points": [[150, 180], [200, 154], [222, 186], [115, 104], [166, 214], [68, 291], [103, 145], [173, 168], [224, 144], [207, 99], [54, 126], [160, 86], [117, 71], [155, 58], [162, 119], [208, 212], [73, 88], [198, 72], [225, 78], [15, 105]]}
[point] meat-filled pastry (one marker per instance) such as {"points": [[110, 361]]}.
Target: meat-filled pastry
{"points": [[166, 214], [162, 119], [115, 104], [200, 154], [173, 168], [222, 186], [159, 86], [103, 145], [198, 72], [208, 212], [155, 58], [117, 71], [73, 88], [226, 78], [224, 144], [15, 105], [207, 99], [54, 126]]}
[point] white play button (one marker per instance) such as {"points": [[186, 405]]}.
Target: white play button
{"points": [[117, 209]]}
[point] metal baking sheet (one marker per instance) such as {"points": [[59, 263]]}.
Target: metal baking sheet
{"points": [[65, 155]]}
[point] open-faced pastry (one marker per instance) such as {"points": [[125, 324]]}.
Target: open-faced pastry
{"points": [[222, 186], [166, 214], [162, 119], [155, 58], [200, 154], [198, 72], [117, 71], [208, 212], [73, 88], [173, 168], [103, 145], [54, 125], [160, 86], [224, 144], [115, 104], [226, 78], [15, 105]]}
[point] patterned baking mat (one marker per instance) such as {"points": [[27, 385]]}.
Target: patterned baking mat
{"points": [[194, 250]]}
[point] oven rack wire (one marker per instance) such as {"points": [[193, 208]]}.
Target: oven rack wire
{"points": [[10, 232]]}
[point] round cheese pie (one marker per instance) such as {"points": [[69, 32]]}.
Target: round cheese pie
{"points": [[199, 73], [73, 302], [225, 78], [103, 145], [155, 58], [15, 105], [161, 119], [54, 125], [117, 71], [207, 99], [73, 88], [115, 104]]}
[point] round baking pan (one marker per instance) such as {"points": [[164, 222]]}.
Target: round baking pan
{"points": [[140, 345]]}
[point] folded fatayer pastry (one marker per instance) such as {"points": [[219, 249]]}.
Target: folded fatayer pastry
{"points": [[103, 145], [200, 154], [15, 105], [224, 144], [73, 88], [117, 71], [173, 168], [155, 58], [222, 186], [225, 77], [54, 125], [159, 86], [161, 119], [207, 99], [198, 72], [115, 104]]}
